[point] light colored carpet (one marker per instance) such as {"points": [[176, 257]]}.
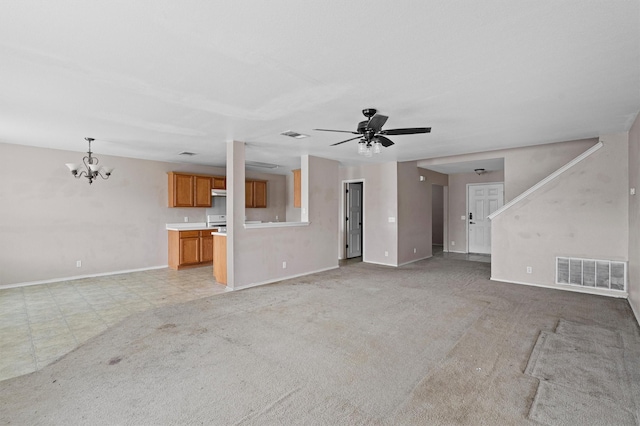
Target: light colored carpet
{"points": [[434, 342]]}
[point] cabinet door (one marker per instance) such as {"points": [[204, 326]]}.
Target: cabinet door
{"points": [[189, 250], [202, 191], [182, 190], [219, 182], [248, 194], [297, 188], [206, 246], [259, 194]]}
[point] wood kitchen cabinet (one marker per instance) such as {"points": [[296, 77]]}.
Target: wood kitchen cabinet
{"points": [[255, 194], [218, 182], [188, 190], [190, 248], [297, 188]]}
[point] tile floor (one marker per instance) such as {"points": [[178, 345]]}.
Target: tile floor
{"points": [[41, 323]]}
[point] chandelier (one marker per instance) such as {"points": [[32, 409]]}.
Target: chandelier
{"points": [[368, 147], [92, 169]]}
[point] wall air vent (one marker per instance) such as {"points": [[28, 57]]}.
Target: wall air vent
{"points": [[293, 134], [605, 274], [187, 153]]}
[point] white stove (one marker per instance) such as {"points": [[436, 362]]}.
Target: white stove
{"points": [[216, 220]]}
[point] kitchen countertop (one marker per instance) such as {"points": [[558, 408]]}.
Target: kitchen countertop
{"points": [[219, 234], [189, 226]]}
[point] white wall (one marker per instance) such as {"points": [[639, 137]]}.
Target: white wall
{"points": [[582, 213], [634, 218], [49, 220]]}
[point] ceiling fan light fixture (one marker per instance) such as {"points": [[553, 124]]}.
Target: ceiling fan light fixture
{"points": [[362, 147]]}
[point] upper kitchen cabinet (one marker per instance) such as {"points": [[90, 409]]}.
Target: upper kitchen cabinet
{"points": [[219, 182], [188, 190], [255, 193]]}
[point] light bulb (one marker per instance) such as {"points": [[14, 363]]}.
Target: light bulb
{"points": [[367, 152], [362, 147]]}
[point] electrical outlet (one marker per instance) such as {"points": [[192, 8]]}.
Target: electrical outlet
{"points": [[284, 265], [386, 254], [453, 243], [78, 263], [186, 219], [529, 270], [414, 249], [463, 217], [632, 191], [392, 219], [276, 218]]}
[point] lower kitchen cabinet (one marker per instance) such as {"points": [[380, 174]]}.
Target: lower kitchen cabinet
{"points": [[190, 248]]}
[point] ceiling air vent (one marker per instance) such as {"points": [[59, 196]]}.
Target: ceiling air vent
{"points": [[293, 134], [187, 153]]}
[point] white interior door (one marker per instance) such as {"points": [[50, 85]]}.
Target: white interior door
{"points": [[483, 199], [354, 219]]}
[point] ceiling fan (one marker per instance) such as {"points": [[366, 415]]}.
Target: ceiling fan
{"points": [[371, 135]]}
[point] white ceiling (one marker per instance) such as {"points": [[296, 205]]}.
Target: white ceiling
{"points": [[149, 79]]}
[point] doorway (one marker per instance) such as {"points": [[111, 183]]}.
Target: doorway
{"points": [[482, 200], [353, 219], [437, 216]]}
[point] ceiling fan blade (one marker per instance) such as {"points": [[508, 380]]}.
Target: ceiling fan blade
{"points": [[377, 121], [409, 131], [384, 141], [338, 143], [339, 131]]}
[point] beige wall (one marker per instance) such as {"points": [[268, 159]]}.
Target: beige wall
{"points": [[255, 256], [49, 220], [380, 201], [582, 213], [634, 218], [276, 198], [458, 205], [414, 214], [523, 167]]}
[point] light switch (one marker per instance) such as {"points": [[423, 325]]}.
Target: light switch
{"points": [[632, 191], [392, 219], [463, 218]]}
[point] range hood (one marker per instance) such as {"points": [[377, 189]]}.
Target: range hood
{"points": [[218, 192]]}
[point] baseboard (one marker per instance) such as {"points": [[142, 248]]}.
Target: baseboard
{"points": [[415, 260], [454, 251], [378, 263], [79, 277], [275, 280], [594, 291]]}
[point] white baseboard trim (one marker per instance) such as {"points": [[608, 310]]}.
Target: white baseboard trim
{"points": [[454, 251], [634, 310], [378, 263], [415, 260], [79, 277], [595, 291], [275, 280]]}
